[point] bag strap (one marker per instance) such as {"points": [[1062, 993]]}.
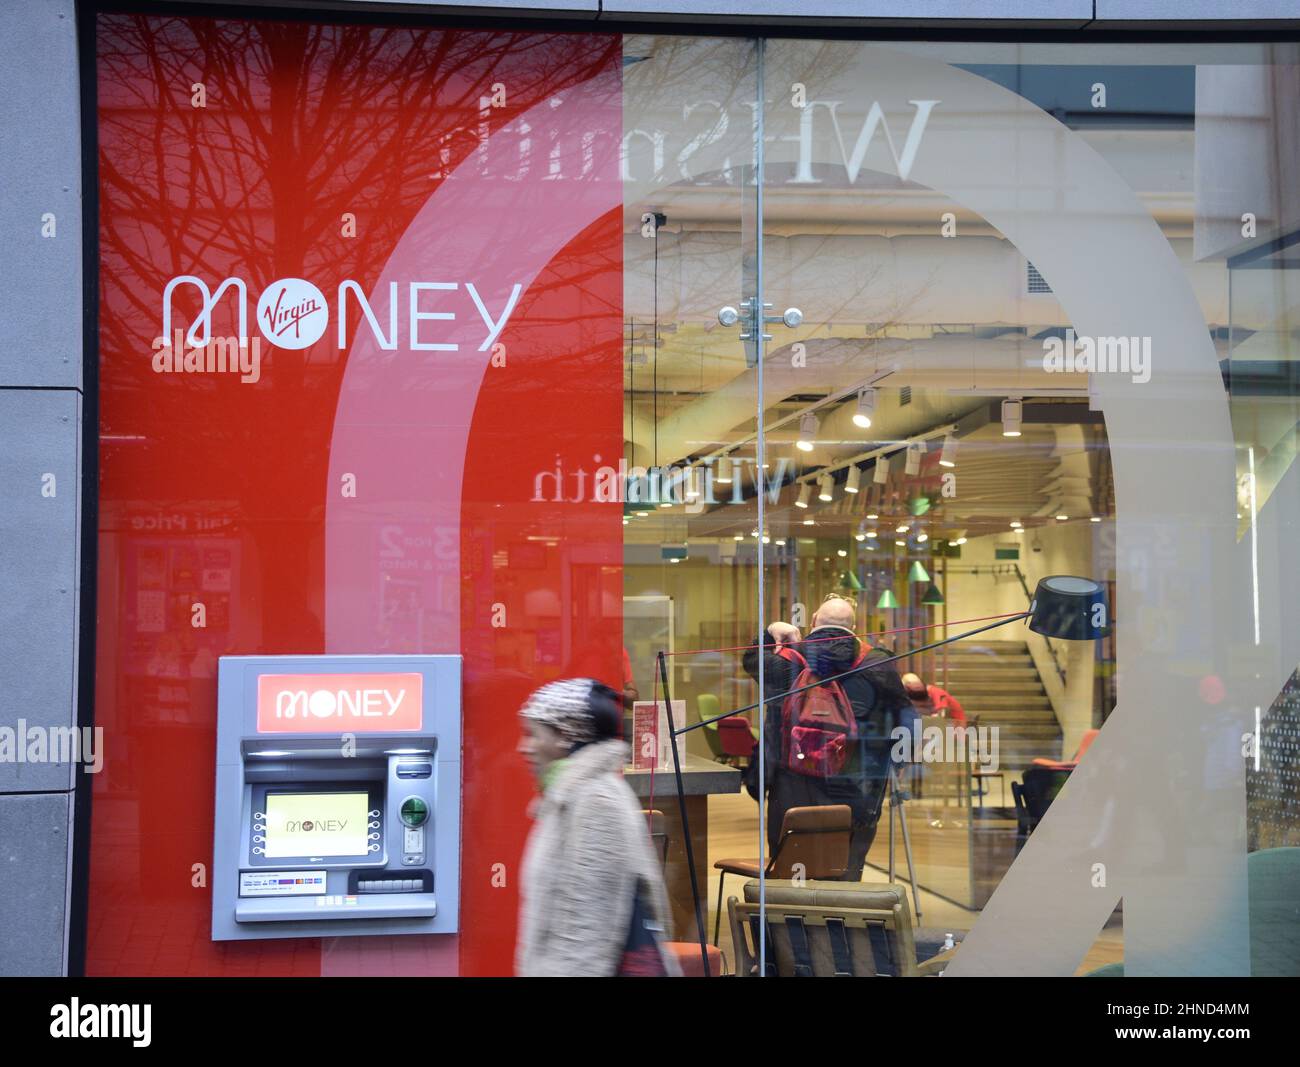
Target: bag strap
{"points": [[791, 655]]}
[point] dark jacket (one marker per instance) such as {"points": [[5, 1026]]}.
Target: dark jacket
{"points": [[879, 702]]}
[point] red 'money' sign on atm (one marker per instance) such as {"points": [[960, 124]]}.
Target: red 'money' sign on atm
{"points": [[323, 703]]}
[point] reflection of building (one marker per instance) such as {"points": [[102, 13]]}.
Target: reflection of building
{"points": [[938, 214]]}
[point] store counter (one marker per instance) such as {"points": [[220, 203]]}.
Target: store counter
{"points": [[700, 778]]}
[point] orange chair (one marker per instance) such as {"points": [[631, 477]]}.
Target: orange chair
{"points": [[1085, 743], [813, 839], [687, 954]]}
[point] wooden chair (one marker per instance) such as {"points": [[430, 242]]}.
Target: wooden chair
{"points": [[828, 929], [814, 843]]}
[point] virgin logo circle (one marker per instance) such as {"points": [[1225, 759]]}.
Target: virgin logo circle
{"points": [[292, 313], [322, 703]]}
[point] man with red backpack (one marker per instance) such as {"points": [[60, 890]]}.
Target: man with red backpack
{"points": [[830, 743]]}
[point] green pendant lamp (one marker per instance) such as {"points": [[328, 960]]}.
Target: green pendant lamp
{"points": [[849, 582], [918, 573], [932, 596], [887, 600]]}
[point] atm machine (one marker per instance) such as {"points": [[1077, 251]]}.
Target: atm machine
{"points": [[338, 796]]}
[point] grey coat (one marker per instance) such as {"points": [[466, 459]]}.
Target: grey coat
{"points": [[586, 851]]}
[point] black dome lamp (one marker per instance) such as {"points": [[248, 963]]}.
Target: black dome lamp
{"points": [[1071, 608]]}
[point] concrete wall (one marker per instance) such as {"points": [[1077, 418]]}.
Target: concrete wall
{"points": [[41, 407]]}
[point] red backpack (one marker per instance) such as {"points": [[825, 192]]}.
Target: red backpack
{"points": [[818, 727]]}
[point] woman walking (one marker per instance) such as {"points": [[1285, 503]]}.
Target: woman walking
{"points": [[592, 900]]}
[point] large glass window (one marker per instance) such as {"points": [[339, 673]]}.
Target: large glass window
{"points": [[891, 333]]}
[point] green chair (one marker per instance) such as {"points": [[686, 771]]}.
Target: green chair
{"points": [[1273, 899], [708, 706]]}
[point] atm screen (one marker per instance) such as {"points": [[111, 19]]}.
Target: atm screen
{"points": [[316, 824]]}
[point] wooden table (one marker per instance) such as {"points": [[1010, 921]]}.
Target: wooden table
{"points": [[700, 778]]}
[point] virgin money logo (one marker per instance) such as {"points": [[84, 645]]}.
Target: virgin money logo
{"points": [[356, 703], [292, 313]]}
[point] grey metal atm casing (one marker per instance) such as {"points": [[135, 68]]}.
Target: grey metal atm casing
{"points": [[321, 762]]}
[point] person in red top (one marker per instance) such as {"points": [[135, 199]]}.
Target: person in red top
{"points": [[932, 699]]}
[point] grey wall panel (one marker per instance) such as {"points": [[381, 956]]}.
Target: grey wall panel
{"points": [[40, 173], [1196, 10], [38, 571], [33, 877]]}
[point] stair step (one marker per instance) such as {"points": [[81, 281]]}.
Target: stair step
{"points": [[1012, 688], [989, 674], [991, 663]]}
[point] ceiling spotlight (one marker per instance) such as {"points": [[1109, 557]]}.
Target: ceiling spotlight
{"points": [[827, 490], [873, 533], [692, 485], [855, 477], [901, 544], [859, 536], [1012, 410], [912, 465], [903, 528], [1095, 518], [805, 494], [781, 541], [872, 515], [1062, 518], [948, 457], [807, 431], [738, 537], [842, 552], [866, 408], [960, 541], [922, 538], [810, 522], [1016, 524], [882, 470]]}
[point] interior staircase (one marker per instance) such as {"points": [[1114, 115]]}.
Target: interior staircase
{"points": [[998, 682]]}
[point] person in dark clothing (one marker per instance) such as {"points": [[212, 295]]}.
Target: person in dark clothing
{"points": [[879, 703]]}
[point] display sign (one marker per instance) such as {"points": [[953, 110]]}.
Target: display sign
{"points": [[316, 824], [353, 703], [651, 738]]}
